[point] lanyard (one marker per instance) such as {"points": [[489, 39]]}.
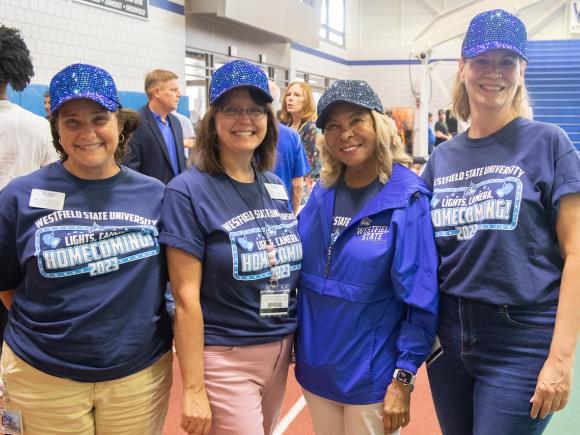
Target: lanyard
{"points": [[270, 247]]}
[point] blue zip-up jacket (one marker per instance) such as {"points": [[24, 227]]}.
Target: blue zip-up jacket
{"points": [[369, 305]]}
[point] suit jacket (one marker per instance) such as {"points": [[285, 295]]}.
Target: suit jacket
{"points": [[147, 150]]}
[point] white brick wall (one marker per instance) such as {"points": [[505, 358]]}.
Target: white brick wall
{"points": [[61, 32]]}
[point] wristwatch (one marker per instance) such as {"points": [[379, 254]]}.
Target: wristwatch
{"points": [[404, 376]]}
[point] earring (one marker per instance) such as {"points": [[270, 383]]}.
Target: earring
{"points": [[59, 142], [121, 138]]}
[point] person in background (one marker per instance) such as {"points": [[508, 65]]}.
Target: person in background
{"points": [[430, 133], [299, 113], [451, 123], [368, 299], [88, 341], [505, 207], [441, 131], [47, 105], [188, 132], [291, 161], [156, 148], [25, 139], [234, 257]]}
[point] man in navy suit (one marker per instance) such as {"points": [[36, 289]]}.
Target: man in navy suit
{"points": [[156, 148]]}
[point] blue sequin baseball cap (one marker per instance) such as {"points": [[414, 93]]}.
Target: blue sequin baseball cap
{"points": [[495, 29], [81, 80], [237, 74], [357, 92]]}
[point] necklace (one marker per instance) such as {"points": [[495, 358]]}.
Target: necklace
{"points": [[270, 247]]}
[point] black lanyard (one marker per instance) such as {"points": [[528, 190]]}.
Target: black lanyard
{"points": [[270, 248]]}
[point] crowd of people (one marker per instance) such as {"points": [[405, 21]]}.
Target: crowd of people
{"points": [[112, 248]]}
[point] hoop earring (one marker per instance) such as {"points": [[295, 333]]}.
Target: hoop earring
{"points": [[121, 138], [59, 142]]}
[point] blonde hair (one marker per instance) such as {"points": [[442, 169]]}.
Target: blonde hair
{"points": [[156, 76], [521, 103], [389, 150], [309, 109]]}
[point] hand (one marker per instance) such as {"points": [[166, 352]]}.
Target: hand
{"points": [[196, 413], [397, 406], [553, 387]]}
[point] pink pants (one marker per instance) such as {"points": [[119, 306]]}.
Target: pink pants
{"points": [[245, 386]]}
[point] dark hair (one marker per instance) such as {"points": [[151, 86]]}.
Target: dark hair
{"points": [[205, 155], [418, 160], [15, 62], [128, 119]]}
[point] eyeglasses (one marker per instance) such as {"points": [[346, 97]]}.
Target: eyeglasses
{"points": [[234, 112]]}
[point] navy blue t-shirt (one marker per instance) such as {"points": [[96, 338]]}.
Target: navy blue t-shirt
{"points": [[291, 161], [494, 210], [348, 202], [205, 216], [89, 278]]}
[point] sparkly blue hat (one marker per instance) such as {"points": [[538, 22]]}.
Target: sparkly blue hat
{"points": [[236, 74], [495, 29], [357, 92], [81, 80]]}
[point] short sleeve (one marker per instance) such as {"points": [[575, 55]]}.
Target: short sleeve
{"points": [[566, 171], [301, 166], [11, 275], [180, 227]]}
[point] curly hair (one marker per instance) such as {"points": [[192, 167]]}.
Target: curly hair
{"points": [[15, 62], [205, 156], [128, 119], [309, 110], [389, 150]]}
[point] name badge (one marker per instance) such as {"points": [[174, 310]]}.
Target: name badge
{"points": [[10, 422], [274, 302], [276, 191], [46, 199]]}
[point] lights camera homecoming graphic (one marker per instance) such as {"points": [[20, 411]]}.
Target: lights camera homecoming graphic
{"points": [[66, 250], [491, 204]]}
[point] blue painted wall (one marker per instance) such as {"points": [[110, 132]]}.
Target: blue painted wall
{"points": [[32, 98]]}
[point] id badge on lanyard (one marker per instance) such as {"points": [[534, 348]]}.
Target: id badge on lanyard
{"points": [[274, 301], [10, 422]]}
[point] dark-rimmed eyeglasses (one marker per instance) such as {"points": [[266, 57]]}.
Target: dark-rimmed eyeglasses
{"points": [[234, 112]]}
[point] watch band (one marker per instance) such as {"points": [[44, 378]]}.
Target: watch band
{"points": [[404, 376]]}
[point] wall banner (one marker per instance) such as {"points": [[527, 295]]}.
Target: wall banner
{"points": [[134, 8]]}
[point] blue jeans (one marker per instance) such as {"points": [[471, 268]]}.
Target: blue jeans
{"points": [[492, 356]]}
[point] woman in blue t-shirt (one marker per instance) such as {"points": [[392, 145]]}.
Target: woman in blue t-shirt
{"points": [[234, 258], [299, 113], [505, 209], [367, 304], [88, 343]]}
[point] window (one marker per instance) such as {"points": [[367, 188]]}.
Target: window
{"points": [[332, 21]]}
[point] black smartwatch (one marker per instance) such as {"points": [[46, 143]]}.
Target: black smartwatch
{"points": [[404, 376]]}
